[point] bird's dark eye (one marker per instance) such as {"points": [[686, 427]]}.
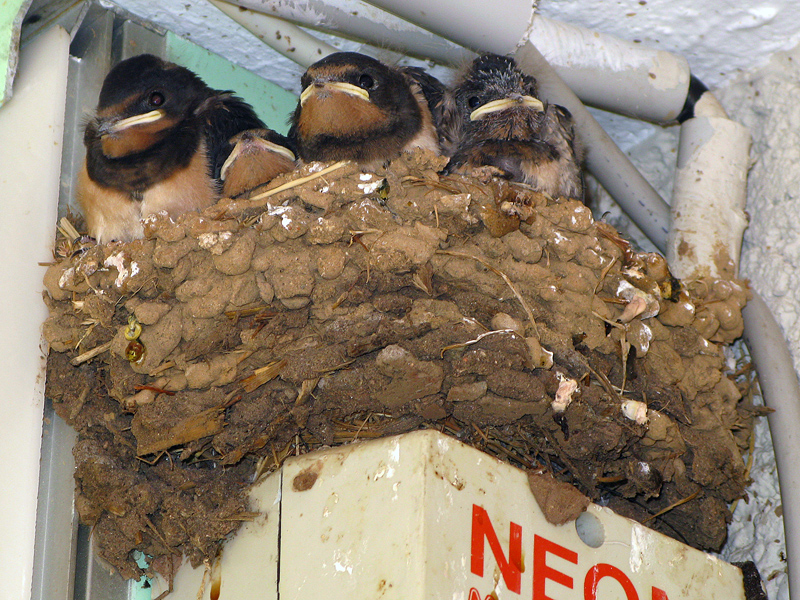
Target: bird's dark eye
{"points": [[366, 82], [156, 99], [474, 102]]}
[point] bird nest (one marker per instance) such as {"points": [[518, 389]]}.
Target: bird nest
{"points": [[338, 305]]}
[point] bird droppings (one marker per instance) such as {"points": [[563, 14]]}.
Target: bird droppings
{"points": [[423, 305]]}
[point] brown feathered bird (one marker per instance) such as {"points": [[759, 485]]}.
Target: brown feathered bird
{"points": [[354, 107], [497, 120], [254, 157], [154, 146]]}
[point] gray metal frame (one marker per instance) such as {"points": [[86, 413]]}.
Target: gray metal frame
{"points": [[65, 564]]}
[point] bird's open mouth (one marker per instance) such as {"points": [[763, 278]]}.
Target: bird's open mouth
{"points": [[505, 103], [338, 86], [267, 145], [122, 125]]}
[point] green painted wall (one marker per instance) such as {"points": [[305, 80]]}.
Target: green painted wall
{"points": [[272, 103], [11, 14]]}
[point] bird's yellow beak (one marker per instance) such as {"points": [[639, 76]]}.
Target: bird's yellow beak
{"points": [[151, 117], [338, 86], [503, 104], [238, 149]]}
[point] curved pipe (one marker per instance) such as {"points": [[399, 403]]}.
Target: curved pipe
{"points": [[781, 391], [607, 72], [280, 35], [602, 70], [366, 23]]}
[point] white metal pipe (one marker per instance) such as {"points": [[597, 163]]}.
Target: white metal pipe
{"points": [[781, 391], [614, 74], [280, 35], [364, 22], [709, 194], [612, 168]]}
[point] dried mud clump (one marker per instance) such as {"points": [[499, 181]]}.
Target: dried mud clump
{"points": [[344, 305]]}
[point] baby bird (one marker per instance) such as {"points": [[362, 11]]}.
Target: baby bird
{"points": [[354, 107], [153, 145], [254, 157], [498, 121]]}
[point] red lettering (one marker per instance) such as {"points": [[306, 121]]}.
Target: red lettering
{"points": [[474, 594], [600, 570], [511, 569], [659, 594], [541, 572]]}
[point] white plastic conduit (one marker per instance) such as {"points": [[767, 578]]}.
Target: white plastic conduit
{"points": [[779, 386], [367, 23], [709, 194], [280, 35], [613, 74], [602, 70]]}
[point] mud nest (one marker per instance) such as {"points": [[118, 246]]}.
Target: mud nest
{"points": [[340, 305]]}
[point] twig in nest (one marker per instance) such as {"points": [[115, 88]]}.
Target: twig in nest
{"points": [[76, 408], [91, 324], [203, 424], [235, 315], [611, 323], [604, 273], [355, 437], [153, 388], [165, 366], [499, 449], [299, 181], [159, 535], [90, 354], [610, 479], [67, 229], [335, 368], [751, 450], [607, 385], [505, 278], [306, 388], [263, 375], [625, 348], [155, 460], [672, 506], [277, 459], [429, 183], [355, 236], [476, 340], [242, 516]]}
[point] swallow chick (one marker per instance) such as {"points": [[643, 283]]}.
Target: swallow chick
{"points": [[254, 157], [499, 121], [354, 107], [153, 145]]}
